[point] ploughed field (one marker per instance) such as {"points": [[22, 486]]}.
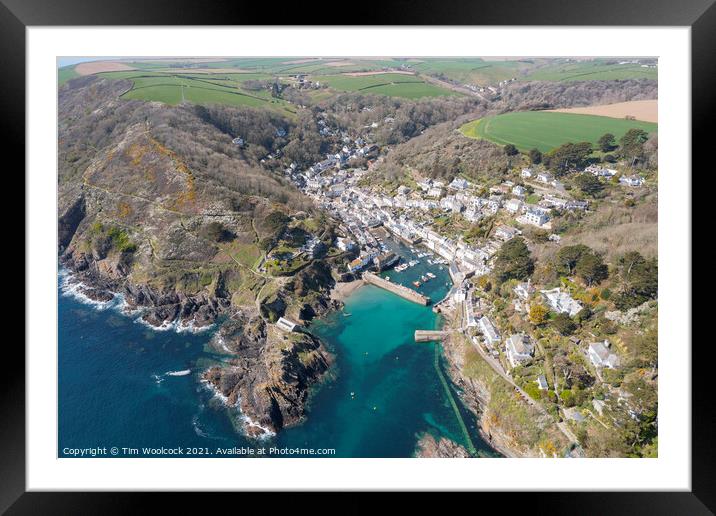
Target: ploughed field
{"points": [[546, 130]]}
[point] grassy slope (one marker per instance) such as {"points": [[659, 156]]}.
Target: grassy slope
{"points": [[198, 88], [547, 130]]}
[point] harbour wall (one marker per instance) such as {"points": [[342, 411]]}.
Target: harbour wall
{"points": [[402, 291]]}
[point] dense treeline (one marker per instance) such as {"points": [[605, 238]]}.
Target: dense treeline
{"points": [[410, 118], [523, 96], [443, 153], [89, 118]]}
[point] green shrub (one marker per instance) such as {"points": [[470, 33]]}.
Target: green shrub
{"points": [[567, 398], [120, 240]]}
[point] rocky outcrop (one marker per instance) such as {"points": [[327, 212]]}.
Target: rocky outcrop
{"points": [[272, 374], [104, 275], [429, 447], [69, 220], [309, 292]]}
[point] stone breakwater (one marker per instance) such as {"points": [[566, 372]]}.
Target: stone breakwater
{"points": [[404, 292]]}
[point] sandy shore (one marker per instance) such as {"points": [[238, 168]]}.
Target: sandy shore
{"points": [[344, 289]]}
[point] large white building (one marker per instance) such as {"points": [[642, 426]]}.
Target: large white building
{"points": [[600, 171], [519, 349], [561, 302], [535, 216]]}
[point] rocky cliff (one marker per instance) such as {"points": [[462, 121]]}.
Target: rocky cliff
{"points": [[157, 205], [271, 374]]}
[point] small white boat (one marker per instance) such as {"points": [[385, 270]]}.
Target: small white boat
{"points": [[179, 373]]}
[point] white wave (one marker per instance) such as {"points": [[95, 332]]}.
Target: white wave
{"points": [[191, 327], [221, 342], [165, 326], [217, 393], [266, 433], [243, 418], [175, 325], [72, 287]]}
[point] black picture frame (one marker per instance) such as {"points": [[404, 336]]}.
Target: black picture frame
{"points": [[700, 15]]}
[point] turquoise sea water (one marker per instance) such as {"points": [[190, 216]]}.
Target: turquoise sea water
{"points": [[114, 389]]}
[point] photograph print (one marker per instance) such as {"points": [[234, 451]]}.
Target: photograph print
{"points": [[357, 257]]}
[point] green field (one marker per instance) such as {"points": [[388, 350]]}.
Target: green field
{"points": [[66, 73], [173, 88], [472, 70], [598, 70], [391, 84], [546, 130]]}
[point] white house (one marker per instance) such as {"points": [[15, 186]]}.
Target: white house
{"points": [[600, 171], [513, 205], [545, 177], [519, 191], [519, 349], [425, 184], [472, 214], [599, 406], [361, 262], [435, 191], [535, 216], [601, 356], [286, 324], [344, 244], [527, 172], [561, 302], [633, 180], [491, 335], [459, 184], [506, 233], [469, 311]]}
